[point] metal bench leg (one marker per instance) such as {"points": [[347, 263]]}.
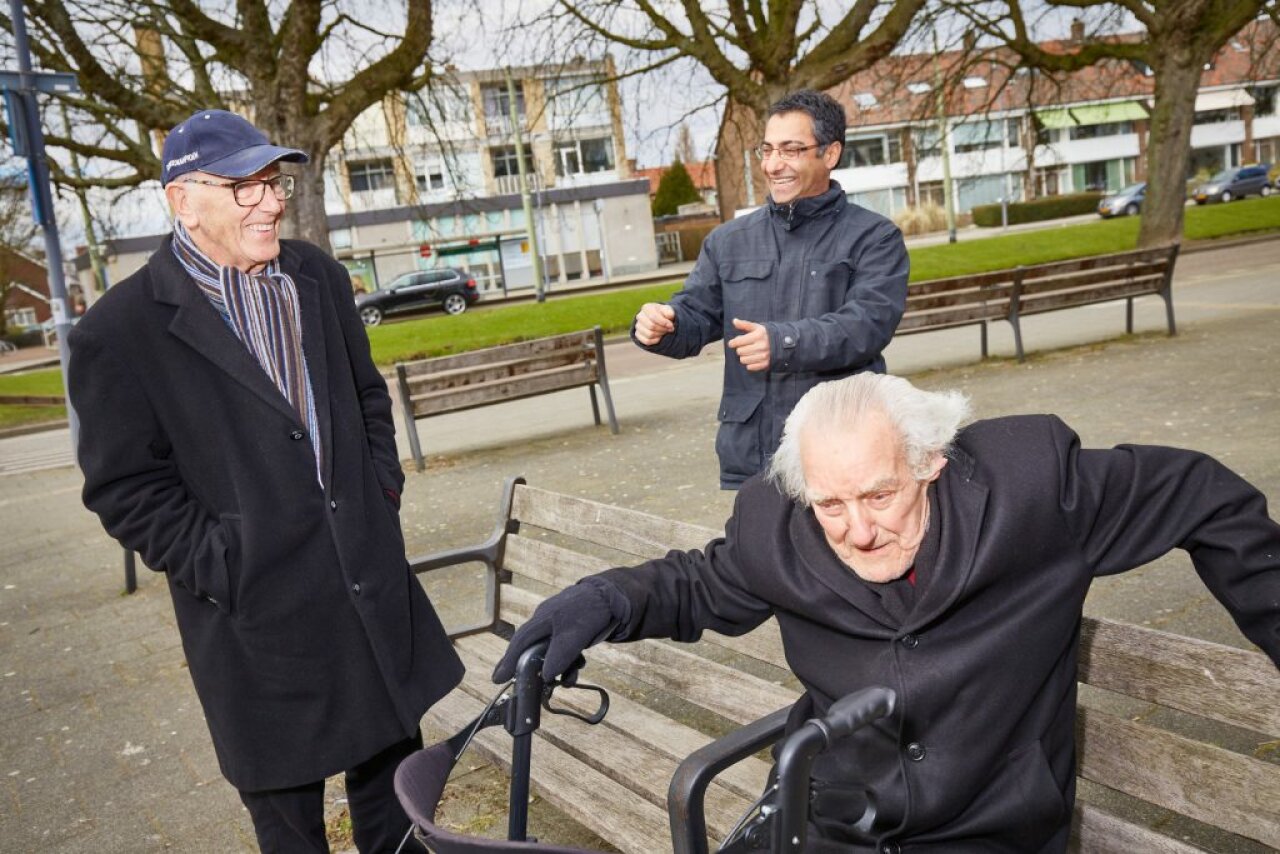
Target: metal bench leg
{"points": [[604, 383], [984, 339], [1128, 316], [406, 407], [595, 406]]}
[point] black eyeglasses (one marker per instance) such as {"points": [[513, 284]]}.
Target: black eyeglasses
{"points": [[251, 192], [786, 152]]}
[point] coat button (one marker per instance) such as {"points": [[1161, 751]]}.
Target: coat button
{"points": [[333, 505], [296, 435], [915, 751], [355, 588], [788, 341], [910, 641], [890, 848]]}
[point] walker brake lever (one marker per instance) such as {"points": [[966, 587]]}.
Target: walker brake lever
{"points": [[593, 718]]}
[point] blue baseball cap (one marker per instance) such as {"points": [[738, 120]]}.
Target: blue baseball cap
{"points": [[220, 143]]}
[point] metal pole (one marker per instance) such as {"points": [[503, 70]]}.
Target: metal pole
{"points": [[42, 196], [525, 201], [944, 143]]}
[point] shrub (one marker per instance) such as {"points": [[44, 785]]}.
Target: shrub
{"points": [[674, 189], [1050, 207], [921, 219]]}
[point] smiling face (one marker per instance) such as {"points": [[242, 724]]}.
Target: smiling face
{"points": [[871, 509], [233, 236], [807, 175]]}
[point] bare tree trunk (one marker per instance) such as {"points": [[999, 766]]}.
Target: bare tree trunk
{"points": [[740, 131], [1169, 146], [305, 217]]}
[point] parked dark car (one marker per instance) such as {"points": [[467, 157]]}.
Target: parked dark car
{"points": [[450, 288], [1127, 202], [1235, 183]]}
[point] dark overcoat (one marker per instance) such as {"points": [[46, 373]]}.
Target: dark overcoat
{"points": [[311, 644], [980, 753]]}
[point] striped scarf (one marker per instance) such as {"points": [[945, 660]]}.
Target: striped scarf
{"points": [[262, 310]]}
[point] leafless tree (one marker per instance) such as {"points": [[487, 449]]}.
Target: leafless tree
{"points": [[1180, 40], [303, 70], [754, 52]]}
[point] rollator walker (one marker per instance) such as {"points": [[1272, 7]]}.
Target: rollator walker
{"points": [[776, 823]]}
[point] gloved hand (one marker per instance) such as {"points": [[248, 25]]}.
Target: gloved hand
{"points": [[574, 619]]}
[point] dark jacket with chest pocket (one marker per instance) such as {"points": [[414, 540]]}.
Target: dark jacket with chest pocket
{"points": [[311, 644], [979, 755], [827, 278]]}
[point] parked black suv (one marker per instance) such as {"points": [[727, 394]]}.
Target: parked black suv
{"points": [[450, 288]]}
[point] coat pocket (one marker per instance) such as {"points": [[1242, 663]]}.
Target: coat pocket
{"points": [[745, 290], [218, 587], [738, 440]]}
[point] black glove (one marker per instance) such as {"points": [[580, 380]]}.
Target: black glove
{"points": [[574, 619]]}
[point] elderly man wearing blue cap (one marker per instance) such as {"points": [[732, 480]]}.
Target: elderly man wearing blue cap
{"points": [[235, 432]]}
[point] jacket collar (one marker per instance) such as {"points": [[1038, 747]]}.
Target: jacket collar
{"points": [[198, 324], [793, 214]]}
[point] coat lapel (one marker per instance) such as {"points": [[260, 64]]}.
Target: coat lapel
{"points": [[822, 563], [198, 324], [314, 350], [962, 506]]}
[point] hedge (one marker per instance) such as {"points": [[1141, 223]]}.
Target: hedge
{"points": [[1050, 207]]}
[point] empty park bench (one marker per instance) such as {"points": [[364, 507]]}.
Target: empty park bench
{"points": [[1014, 293], [1181, 732], [497, 374]]}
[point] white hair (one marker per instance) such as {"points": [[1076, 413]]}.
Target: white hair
{"points": [[927, 421]]}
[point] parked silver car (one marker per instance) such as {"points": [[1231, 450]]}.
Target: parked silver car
{"points": [[1127, 202], [1235, 183]]}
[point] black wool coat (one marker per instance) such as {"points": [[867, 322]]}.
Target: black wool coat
{"points": [[979, 756], [311, 644]]}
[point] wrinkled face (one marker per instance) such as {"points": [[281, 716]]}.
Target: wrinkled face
{"points": [[863, 495], [231, 235], [807, 175]]}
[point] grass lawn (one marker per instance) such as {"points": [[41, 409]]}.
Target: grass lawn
{"points": [[43, 382]]}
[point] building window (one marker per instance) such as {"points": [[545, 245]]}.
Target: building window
{"points": [[1264, 100], [497, 101], [871, 150], [20, 317], [1096, 131], [584, 156], [976, 136], [447, 103], [577, 98], [931, 193], [431, 176], [1213, 117], [371, 175], [506, 163], [1047, 182]]}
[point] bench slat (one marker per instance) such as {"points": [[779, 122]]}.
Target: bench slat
{"points": [[495, 371], [1038, 293], [992, 298], [480, 394], [1218, 787], [730, 693], [1099, 832], [504, 352], [632, 720], [628, 531], [1084, 278], [611, 811], [1236, 686], [926, 321]]}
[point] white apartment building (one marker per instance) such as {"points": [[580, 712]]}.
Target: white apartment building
{"points": [[433, 179]]}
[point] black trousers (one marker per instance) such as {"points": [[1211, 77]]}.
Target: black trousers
{"points": [[291, 821]]}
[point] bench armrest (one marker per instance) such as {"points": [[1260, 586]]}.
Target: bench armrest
{"points": [[490, 553], [685, 807]]}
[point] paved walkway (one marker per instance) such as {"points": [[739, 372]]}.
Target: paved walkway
{"points": [[104, 745]]}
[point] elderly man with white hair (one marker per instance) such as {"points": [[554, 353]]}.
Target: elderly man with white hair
{"points": [[951, 565]]}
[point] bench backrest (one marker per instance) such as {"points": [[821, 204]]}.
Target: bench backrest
{"points": [[1179, 685], [999, 294], [495, 374]]}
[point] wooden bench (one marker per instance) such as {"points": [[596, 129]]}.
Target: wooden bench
{"points": [[496, 374], [1149, 700], [1012, 294]]}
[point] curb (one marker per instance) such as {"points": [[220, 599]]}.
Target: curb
{"points": [[27, 429]]}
